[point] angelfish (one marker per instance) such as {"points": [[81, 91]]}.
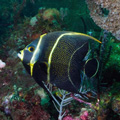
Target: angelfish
{"points": [[58, 58]]}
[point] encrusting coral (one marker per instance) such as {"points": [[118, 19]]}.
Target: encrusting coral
{"points": [[51, 14], [106, 14]]}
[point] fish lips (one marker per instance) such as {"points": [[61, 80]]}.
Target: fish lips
{"points": [[20, 56]]}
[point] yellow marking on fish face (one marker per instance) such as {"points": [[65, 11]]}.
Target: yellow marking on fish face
{"points": [[31, 68], [35, 54], [55, 45], [21, 55]]}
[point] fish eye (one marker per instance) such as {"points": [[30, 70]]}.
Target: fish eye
{"points": [[31, 49]]}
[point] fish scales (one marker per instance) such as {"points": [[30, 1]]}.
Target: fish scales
{"points": [[57, 58], [65, 66]]}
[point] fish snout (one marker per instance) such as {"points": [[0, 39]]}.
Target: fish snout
{"points": [[20, 55]]}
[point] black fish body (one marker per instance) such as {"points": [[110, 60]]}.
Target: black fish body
{"points": [[57, 58]]}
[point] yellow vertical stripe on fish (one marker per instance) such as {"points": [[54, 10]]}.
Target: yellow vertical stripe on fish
{"points": [[50, 56], [33, 59], [55, 45], [22, 55]]}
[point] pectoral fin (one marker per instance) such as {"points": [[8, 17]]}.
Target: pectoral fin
{"points": [[91, 67]]}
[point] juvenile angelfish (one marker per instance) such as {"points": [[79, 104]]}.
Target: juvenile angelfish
{"points": [[58, 58]]}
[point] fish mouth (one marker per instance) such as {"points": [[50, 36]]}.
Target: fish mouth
{"points": [[20, 55]]}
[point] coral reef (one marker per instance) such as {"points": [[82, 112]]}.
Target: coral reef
{"points": [[20, 97], [29, 110], [18, 106], [106, 14], [24, 105], [16, 93], [116, 105], [51, 14], [114, 55], [85, 114], [33, 27]]}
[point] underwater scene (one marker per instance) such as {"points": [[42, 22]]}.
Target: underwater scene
{"points": [[59, 60]]}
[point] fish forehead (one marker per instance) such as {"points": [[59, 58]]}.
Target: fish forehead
{"points": [[33, 43], [28, 55]]}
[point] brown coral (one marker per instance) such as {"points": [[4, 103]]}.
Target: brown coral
{"points": [[51, 14], [29, 110], [111, 22]]}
